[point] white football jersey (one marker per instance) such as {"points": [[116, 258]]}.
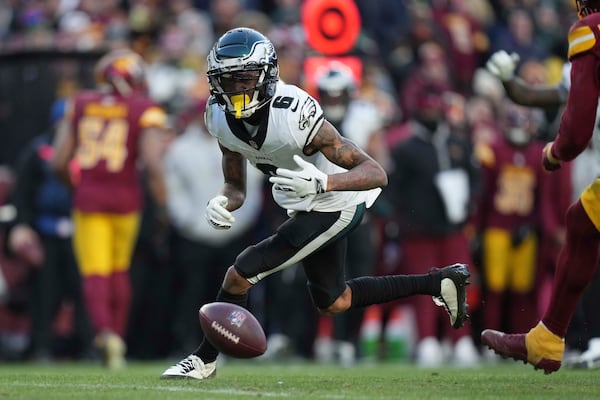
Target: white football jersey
{"points": [[294, 120]]}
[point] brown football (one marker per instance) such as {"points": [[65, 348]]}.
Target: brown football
{"points": [[232, 329]]}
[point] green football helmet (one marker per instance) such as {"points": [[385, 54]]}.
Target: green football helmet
{"points": [[242, 55]]}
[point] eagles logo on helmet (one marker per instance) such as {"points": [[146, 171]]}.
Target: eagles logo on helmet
{"points": [[587, 7], [122, 71], [242, 54]]}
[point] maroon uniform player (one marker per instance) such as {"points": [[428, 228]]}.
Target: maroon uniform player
{"points": [[109, 131], [543, 345], [508, 219]]}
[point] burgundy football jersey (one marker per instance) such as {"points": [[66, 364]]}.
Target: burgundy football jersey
{"points": [[512, 181], [108, 129], [579, 117]]}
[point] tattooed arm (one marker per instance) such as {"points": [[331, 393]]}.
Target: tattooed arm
{"points": [[363, 171], [234, 171]]}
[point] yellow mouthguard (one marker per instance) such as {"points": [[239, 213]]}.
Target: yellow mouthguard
{"points": [[238, 101]]}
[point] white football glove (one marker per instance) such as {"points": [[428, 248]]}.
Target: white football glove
{"points": [[217, 215], [503, 65], [305, 182]]}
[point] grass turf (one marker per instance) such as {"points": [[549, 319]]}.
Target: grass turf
{"points": [[249, 380]]}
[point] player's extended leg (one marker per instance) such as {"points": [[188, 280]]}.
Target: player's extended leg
{"points": [[202, 363], [447, 286], [543, 346]]}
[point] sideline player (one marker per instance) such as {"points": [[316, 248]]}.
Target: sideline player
{"points": [[543, 346], [109, 131], [323, 180]]}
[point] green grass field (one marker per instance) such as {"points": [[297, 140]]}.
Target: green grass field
{"points": [[261, 380]]}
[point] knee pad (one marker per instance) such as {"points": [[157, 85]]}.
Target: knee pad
{"points": [[260, 258], [322, 298], [247, 262]]}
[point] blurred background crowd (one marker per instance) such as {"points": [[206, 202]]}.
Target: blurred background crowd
{"points": [[465, 185]]}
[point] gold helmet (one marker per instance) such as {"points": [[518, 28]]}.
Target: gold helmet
{"points": [[122, 71]]}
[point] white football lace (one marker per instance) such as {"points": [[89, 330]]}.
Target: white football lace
{"points": [[223, 331]]}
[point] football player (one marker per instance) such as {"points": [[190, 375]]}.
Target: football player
{"points": [[109, 131], [543, 345], [323, 180], [507, 218]]}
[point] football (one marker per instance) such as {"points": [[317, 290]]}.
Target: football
{"points": [[232, 329]]}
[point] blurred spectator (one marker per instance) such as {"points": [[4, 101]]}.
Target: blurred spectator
{"points": [[195, 25], [15, 288], [145, 16], [548, 26], [89, 24], [465, 39], [404, 57], [291, 51], [481, 115], [385, 23], [432, 71], [41, 235], [519, 36], [224, 13], [285, 12], [377, 88], [432, 189], [256, 20], [170, 76], [6, 18]]}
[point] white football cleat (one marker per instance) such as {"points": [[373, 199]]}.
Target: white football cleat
{"points": [[191, 367]]}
